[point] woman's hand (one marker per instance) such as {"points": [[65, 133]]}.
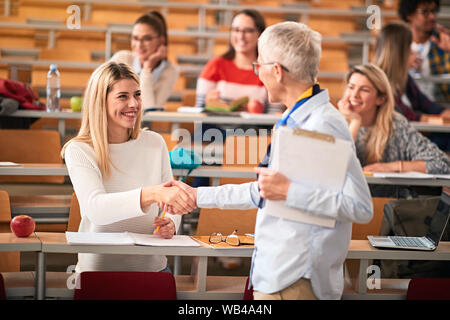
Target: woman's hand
{"points": [[191, 192], [444, 38], [213, 95], [272, 184], [166, 227], [153, 59], [353, 118], [178, 200], [347, 111], [395, 166]]}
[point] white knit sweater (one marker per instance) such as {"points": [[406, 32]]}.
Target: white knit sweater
{"points": [[112, 204]]}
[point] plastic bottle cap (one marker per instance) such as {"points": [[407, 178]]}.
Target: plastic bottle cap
{"points": [[53, 67]]}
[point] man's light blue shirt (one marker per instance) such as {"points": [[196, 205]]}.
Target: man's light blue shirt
{"points": [[287, 250]]}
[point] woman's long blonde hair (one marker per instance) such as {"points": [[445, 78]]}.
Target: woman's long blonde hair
{"points": [[94, 124], [377, 135], [392, 52]]}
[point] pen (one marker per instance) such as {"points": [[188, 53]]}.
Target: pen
{"points": [[162, 217], [368, 174]]}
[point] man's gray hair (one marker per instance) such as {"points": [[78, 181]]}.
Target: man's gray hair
{"points": [[295, 46]]}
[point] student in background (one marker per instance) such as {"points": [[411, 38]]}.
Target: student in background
{"points": [[148, 58], [118, 170], [385, 140], [393, 55], [230, 76], [430, 45], [294, 260]]}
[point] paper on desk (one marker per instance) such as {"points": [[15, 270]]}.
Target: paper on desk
{"points": [[312, 162], [190, 109], [403, 175], [99, 238], [9, 164], [441, 176], [157, 241], [248, 115], [127, 238]]}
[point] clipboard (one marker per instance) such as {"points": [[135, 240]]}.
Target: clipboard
{"points": [[314, 159]]}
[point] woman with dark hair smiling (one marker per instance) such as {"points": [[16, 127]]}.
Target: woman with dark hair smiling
{"points": [[230, 76]]}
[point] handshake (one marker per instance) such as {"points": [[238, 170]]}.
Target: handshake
{"points": [[177, 197]]}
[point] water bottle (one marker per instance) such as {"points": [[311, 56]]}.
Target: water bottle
{"points": [[53, 89], [417, 73]]}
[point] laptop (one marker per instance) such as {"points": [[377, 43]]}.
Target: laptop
{"points": [[430, 241]]}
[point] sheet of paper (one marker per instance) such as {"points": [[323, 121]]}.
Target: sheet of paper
{"points": [[314, 162], [441, 176], [403, 175], [154, 240], [190, 109], [9, 164], [248, 115], [99, 238]]}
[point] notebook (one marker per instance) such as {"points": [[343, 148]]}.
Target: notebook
{"points": [[317, 169], [430, 241], [127, 238]]}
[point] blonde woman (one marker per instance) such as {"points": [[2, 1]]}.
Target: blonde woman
{"points": [[118, 171], [385, 141]]}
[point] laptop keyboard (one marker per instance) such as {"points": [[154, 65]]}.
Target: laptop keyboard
{"points": [[408, 242]]}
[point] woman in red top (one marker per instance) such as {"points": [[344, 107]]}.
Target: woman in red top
{"points": [[230, 76]]}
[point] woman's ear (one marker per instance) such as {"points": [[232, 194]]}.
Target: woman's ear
{"points": [[380, 100]]}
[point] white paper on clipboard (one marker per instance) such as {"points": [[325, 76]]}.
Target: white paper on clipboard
{"points": [[312, 158]]}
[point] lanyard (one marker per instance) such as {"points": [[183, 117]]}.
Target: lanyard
{"points": [[315, 89]]}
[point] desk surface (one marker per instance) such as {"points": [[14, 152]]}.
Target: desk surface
{"points": [[9, 242], [209, 171], [177, 117], [56, 242], [361, 249]]}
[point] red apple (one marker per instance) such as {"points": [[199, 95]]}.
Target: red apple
{"points": [[22, 226], [255, 106]]}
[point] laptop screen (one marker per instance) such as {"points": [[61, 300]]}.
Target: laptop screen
{"points": [[440, 218]]}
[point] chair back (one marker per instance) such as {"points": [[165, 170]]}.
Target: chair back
{"points": [[248, 292], [226, 221], [74, 215], [373, 227], [428, 289], [125, 285], [30, 146], [9, 261], [2, 288]]}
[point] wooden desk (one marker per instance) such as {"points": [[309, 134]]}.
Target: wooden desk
{"points": [[19, 284], [196, 286], [362, 250], [429, 127], [214, 172], [157, 116], [199, 285], [177, 117]]}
